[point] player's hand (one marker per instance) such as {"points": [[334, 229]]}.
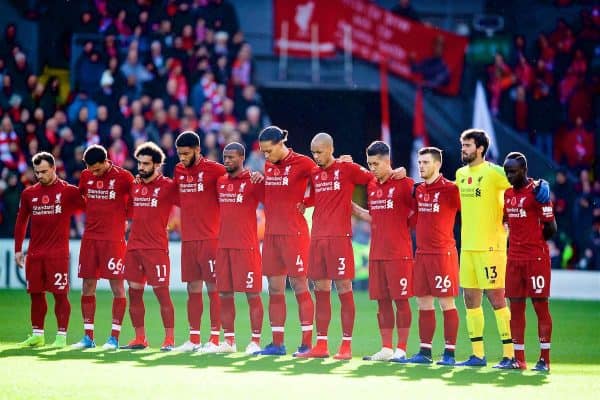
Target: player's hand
{"points": [[399, 173], [542, 191], [20, 259], [256, 177], [138, 179], [301, 207], [345, 158]]}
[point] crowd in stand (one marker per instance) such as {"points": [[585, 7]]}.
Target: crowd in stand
{"points": [[549, 92], [145, 72]]}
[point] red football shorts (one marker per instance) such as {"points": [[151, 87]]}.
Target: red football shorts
{"points": [[436, 274], [528, 278], [239, 270], [198, 260], [47, 274], [148, 265], [331, 258], [101, 259], [390, 279], [285, 255]]}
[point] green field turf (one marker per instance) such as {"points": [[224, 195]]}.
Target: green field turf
{"points": [[93, 374]]}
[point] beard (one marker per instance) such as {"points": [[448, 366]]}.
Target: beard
{"points": [[192, 161], [467, 158], [146, 174]]}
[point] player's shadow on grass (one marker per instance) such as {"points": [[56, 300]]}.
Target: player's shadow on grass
{"points": [[239, 363]]}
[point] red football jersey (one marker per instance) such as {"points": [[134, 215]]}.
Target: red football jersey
{"points": [[390, 205], [107, 201], [526, 216], [333, 188], [198, 199], [50, 209], [152, 204], [436, 205], [238, 199], [285, 186]]}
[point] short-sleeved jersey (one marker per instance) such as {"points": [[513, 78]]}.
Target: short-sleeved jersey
{"points": [[526, 216], [333, 187], [198, 199], [238, 199], [481, 191], [436, 205], [152, 205], [390, 206], [50, 209], [107, 199], [285, 186]]}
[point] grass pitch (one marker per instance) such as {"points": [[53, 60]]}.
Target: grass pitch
{"points": [[95, 374]]}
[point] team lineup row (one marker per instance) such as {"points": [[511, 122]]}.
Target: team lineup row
{"points": [[220, 247]]}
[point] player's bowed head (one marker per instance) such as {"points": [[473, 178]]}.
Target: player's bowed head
{"points": [[188, 148], [149, 158], [44, 168], [321, 147], [96, 161], [379, 161], [272, 143], [234, 155], [515, 167]]}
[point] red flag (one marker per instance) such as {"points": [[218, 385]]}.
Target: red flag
{"points": [[385, 104], [419, 130]]}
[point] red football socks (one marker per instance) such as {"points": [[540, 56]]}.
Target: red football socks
{"points": [[403, 320], [256, 317], [194, 313], [385, 319], [450, 330], [39, 308], [88, 310], [323, 311], [426, 329], [517, 328], [137, 311], [228, 317], [118, 312], [544, 328], [215, 316], [62, 309], [277, 315], [348, 313], [306, 312]]}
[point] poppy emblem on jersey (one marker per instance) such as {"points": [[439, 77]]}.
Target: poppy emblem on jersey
{"points": [[190, 179], [45, 199], [379, 193], [230, 187], [513, 201], [276, 172], [144, 191], [99, 184], [324, 175], [426, 197], [470, 180]]}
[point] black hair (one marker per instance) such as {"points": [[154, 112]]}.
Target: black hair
{"points": [[235, 146], [43, 156], [480, 137], [94, 154], [435, 152], [520, 157], [378, 148], [187, 139], [152, 150], [274, 134]]}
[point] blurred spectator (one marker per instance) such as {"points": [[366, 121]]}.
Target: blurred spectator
{"points": [[405, 9], [10, 194], [577, 147]]}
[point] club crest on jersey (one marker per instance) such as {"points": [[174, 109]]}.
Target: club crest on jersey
{"points": [[156, 191], [391, 192], [57, 198], [200, 176], [287, 170], [336, 174], [436, 197], [242, 186], [99, 184], [522, 202], [45, 199], [111, 184]]}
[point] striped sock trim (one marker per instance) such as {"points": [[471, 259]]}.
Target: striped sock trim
{"points": [[277, 328], [229, 334], [507, 341], [88, 327], [194, 332], [450, 347], [307, 328], [256, 335], [348, 338], [215, 332], [61, 333], [519, 346], [426, 345], [545, 346], [38, 332], [321, 337], [116, 327], [477, 339]]}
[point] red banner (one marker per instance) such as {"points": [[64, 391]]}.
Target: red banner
{"points": [[427, 55]]}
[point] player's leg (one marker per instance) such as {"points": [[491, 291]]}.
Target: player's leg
{"points": [[277, 315], [385, 320], [255, 308], [207, 260], [136, 281], [448, 307], [227, 320], [348, 315], [399, 281], [248, 278], [119, 305], [502, 313], [306, 310], [542, 311], [403, 322], [191, 274], [517, 328], [322, 317], [427, 323], [34, 276], [88, 263], [57, 282], [215, 313]]}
